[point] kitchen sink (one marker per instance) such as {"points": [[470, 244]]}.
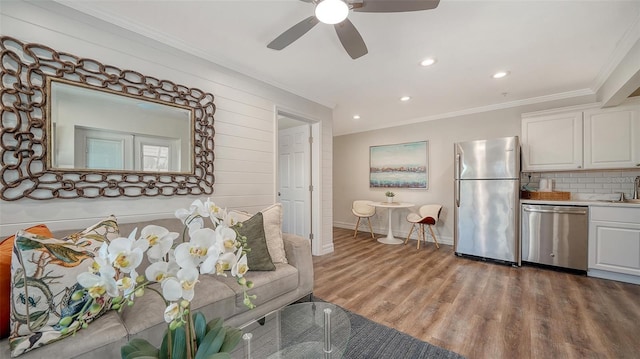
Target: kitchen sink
{"points": [[617, 201]]}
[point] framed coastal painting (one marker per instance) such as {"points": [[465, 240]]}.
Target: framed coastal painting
{"points": [[404, 165]]}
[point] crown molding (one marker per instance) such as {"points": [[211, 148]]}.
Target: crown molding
{"points": [[625, 44], [481, 109]]}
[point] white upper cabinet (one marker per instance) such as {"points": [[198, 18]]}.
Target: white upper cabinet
{"points": [[612, 137], [552, 142], [582, 138]]}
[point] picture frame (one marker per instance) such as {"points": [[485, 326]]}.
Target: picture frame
{"points": [[403, 165]]}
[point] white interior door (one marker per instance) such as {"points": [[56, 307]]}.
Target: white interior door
{"points": [[294, 161]]}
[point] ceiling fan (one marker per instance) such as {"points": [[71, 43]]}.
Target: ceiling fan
{"points": [[335, 12]]}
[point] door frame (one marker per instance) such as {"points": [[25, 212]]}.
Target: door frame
{"points": [[316, 173]]}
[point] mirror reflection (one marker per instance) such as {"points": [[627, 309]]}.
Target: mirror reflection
{"points": [[92, 129]]}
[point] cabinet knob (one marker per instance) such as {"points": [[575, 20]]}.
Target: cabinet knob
{"points": [[581, 166], [553, 255]]}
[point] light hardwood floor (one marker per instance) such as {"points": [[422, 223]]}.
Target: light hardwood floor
{"points": [[480, 309]]}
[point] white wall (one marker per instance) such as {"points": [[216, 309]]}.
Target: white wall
{"points": [[351, 163], [245, 121]]}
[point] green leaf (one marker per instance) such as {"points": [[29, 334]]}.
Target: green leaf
{"points": [[164, 347], [203, 348], [216, 344], [200, 326], [140, 355], [143, 345], [215, 323], [231, 340], [219, 356], [179, 343], [126, 349]]}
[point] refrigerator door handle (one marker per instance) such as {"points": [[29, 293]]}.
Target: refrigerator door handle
{"points": [[457, 180]]}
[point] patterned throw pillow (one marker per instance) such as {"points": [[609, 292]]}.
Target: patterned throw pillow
{"points": [[6, 248], [272, 218], [43, 279], [258, 258]]}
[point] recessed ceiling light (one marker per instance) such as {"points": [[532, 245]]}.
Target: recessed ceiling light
{"points": [[500, 74], [356, 117], [405, 98], [428, 62]]}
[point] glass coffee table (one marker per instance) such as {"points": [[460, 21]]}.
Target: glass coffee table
{"points": [[302, 330]]}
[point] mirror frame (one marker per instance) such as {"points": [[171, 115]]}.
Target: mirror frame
{"points": [[24, 155]]}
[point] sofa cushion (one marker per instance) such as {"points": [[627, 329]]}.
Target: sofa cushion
{"points": [[103, 339], [258, 257], [266, 285], [43, 278], [272, 217], [6, 248]]}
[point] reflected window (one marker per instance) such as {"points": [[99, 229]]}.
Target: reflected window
{"points": [[155, 158], [111, 150], [105, 154]]}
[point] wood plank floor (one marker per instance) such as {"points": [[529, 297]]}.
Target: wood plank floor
{"points": [[479, 309]]}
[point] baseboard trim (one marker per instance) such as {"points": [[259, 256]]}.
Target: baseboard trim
{"points": [[398, 233]]}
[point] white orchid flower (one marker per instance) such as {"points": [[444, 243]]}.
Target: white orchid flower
{"points": [[172, 312], [240, 268], [159, 271], [181, 286], [127, 285], [228, 237], [231, 219], [196, 209], [160, 241], [102, 265], [194, 252], [215, 212], [126, 253], [98, 285], [225, 262]]}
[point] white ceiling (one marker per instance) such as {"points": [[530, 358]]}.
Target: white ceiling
{"points": [[553, 49]]}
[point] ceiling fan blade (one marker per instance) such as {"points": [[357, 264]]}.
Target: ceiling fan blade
{"points": [[294, 33], [395, 6], [351, 39]]}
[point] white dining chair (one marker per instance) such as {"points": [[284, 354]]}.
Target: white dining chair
{"points": [[362, 209], [427, 215]]}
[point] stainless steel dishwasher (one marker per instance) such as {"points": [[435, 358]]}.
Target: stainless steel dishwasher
{"points": [[555, 235]]}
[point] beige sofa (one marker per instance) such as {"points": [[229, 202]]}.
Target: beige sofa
{"points": [[215, 297]]}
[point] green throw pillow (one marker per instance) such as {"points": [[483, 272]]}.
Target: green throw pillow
{"points": [[258, 258]]}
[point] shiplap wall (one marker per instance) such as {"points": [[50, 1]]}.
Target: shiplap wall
{"points": [[245, 122]]}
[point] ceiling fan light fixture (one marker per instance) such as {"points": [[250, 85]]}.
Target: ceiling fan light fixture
{"points": [[332, 11]]}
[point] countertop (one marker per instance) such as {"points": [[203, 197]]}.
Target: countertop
{"points": [[581, 202]]}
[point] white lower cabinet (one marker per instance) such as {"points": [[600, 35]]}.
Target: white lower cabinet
{"points": [[614, 243]]}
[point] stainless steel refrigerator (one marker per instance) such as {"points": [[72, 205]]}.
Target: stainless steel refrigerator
{"points": [[487, 192]]}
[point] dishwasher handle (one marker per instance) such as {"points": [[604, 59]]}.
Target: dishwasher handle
{"points": [[559, 211]]}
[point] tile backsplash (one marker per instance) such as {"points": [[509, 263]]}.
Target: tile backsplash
{"points": [[580, 183]]}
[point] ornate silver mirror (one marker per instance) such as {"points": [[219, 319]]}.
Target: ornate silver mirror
{"points": [[73, 127]]}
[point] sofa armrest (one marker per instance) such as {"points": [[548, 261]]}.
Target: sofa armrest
{"points": [[298, 252]]}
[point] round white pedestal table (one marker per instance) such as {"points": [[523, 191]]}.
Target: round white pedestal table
{"points": [[390, 239]]}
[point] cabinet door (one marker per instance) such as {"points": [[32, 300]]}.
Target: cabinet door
{"points": [[614, 247], [552, 142], [612, 137]]}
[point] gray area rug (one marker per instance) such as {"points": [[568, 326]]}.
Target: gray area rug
{"points": [[297, 332], [370, 340]]}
